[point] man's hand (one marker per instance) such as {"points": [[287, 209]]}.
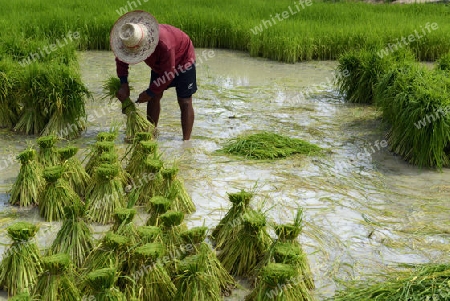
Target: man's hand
{"points": [[124, 92], [144, 97]]}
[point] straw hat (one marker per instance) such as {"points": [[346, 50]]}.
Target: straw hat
{"points": [[134, 36]]}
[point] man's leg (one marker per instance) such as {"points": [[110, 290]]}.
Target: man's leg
{"points": [[187, 116], [154, 108]]}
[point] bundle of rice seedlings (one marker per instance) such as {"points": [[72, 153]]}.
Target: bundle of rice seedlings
{"points": [[417, 282], [74, 171], [47, 154], [101, 285], [21, 297], [149, 234], [21, 263], [105, 194], [268, 146], [136, 120], [142, 151], [75, 235], [56, 283], [242, 253], [229, 225], [99, 148], [56, 195], [194, 283], [29, 183], [123, 224], [279, 282], [107, 136], [149, 279], [112, 158], [195, 244], [156, 206], [152, 168], [174, 189]]}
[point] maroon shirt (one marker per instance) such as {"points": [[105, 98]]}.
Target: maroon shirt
{"points": [[173, 54]]}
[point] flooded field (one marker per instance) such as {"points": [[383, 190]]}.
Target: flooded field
{"points": [[364, 208]]}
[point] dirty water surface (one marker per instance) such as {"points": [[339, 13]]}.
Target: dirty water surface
{"points": [[365, 209]]}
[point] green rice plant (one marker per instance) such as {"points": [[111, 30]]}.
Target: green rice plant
{"points": [[105, 194], [123, 224], [101, 285], [418, 282], [143, 150], [99, 148], [268, 146], [107, 136], [9, 106], [230, 224], [21, 262], [56, 281], [29, 183], [242, 253], [112, 158], [194, 283], [21, 297], [444, 62], [75, 236], [47, 155], [56, 195], [152, 168], [74, 171], [149, 234], [173, 188], [157, 205]]}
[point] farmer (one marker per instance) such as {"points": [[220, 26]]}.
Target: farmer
{"points": [[168, 51]]}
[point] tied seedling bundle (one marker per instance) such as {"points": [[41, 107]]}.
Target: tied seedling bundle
{"points": [[30, 182], [21, 263], [152, 168], [56, 282], [142, 151], [149, 234], [75, 236], [74, 171], [123, 224], [105, 195], [112, 158], [56, 195], [101, 285], [174, 189], [48, 155], [149, 279], [268, 146], [229, 225], [195, 239], [157, 206], [242, 253], [136, 120], [107, 136], [140, 136], [99, 148]]}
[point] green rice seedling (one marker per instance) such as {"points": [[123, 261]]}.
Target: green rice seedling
{"points": [[21, 262], [279, 282], [156, 206], [152, 168], [242, 253], [443, 63], [75, 236], [107, 136], [56, 281], [123, 224], [105, 194], [268, 146], [99, 148], [112, 158], [47, 154], [229, 225], [9, 106], [133, 148], [29, 183], [149, 234], [136, 120], [101, 285], [173, 188], [21, 297], [194, 283], [417, 282], [142, 151], [56, 195], [148, 278], [74, 171]]}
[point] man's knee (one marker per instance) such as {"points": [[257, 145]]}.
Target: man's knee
{"points": [[185, 102]]}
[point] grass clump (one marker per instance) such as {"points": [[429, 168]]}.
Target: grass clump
{"points": [[123, 224], [21, 263], [268, 146], [47, 154], [74, 171], [173, 188], [157, 206], [443, 63], [149, 234], [29, 183], [101, 285]]}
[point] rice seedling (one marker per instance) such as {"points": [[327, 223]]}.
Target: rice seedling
{"points": [[443, 63], [173, 188], [142, 151], [99, 148], [21, 297], [56, 282], [418, 282], [149, 279], [136, 120], [123, 224], [156, 206], [21, 263], [149, 234], [105, 194], [268, 146], [242, 253], [74, 171], [47, 154], [29, 183], [152, 168], [194, 283], [56, 195], [75, 236], [112, 158], [101, 285], [107, 136], [229, 225]]}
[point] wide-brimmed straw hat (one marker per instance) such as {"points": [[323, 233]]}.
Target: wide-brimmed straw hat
{"points": [[134, 36]]}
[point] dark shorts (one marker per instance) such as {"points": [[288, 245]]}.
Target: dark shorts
{"points": [[185, 82]]}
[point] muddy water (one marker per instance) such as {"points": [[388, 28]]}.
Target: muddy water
{"points": [[364, 208]]}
